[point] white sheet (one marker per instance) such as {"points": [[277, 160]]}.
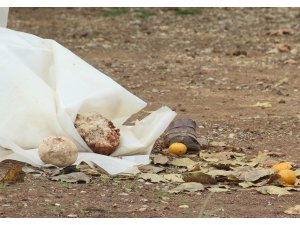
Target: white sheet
{"points": [[42, 88]]}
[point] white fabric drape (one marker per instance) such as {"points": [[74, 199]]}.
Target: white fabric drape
{"points": [[3, 16], [42, 88]]}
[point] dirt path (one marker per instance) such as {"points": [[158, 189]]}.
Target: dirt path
{"points": [[207, 64]]}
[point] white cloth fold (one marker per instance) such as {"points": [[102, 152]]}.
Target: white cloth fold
{"points": [[3, 16], [42, 88]]}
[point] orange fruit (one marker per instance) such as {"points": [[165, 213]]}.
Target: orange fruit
{"points": [[177, 148], [287, 177], [282, 166]]}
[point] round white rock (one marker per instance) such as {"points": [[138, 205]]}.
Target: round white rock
{"points": [[58, 151]]}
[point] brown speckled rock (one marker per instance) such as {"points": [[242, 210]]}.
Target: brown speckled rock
{"points": [[99, 133], [57, 150]]}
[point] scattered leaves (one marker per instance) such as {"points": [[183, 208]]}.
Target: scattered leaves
{"points": [[32, 170], [272, 190], [184, 162], [199, 177], [190, 187], [261, 158], [160, 159], [150, 169], [257, 174], [174, 178], [152, 177], [89, 171], [217, 189], [216, 173], [75, 177], [246, 184]]}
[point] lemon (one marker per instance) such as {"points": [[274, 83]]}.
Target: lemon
{"points": [[287, 177], [282, 166], [177, 148]]}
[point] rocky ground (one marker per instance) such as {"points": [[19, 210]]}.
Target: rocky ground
{"points": [[235, 71]]}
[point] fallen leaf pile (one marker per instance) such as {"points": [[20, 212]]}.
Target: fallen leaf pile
{"points": [[221, 168], [217, 171]]}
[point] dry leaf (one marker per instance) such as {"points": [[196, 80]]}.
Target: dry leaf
{"points": [[217, 144], [292, 188], [272, 190], [261, 158], [76, 177], [224, 160], [262, 105], [160, 159], [174, 178], [246, 184], [150, 169], [295, 210], [195, 167], [184, 162], [154, 178], [227, 156], [190, 187], [264, 182], [216, 173], [297, 171], [13, 175], [66, 170], [90, 171], [282, 81], [257, 174], [217, 189], [222, 166], [199, 177], [32, 170]]}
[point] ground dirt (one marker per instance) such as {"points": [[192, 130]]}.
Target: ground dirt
{"points": [[207, 64]]}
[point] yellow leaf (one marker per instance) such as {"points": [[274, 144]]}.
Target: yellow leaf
{"points": [[13, 175], [176, 178], [262, 105], [185, 162]]}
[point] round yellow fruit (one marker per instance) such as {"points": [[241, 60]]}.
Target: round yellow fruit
{"points": [[177, 148], [282, 166], [287, 177]]}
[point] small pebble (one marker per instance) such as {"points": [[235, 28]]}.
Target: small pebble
{"points": [[72, 216], [184, 206], [124, 194], [142, 209], [231, 136]]}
